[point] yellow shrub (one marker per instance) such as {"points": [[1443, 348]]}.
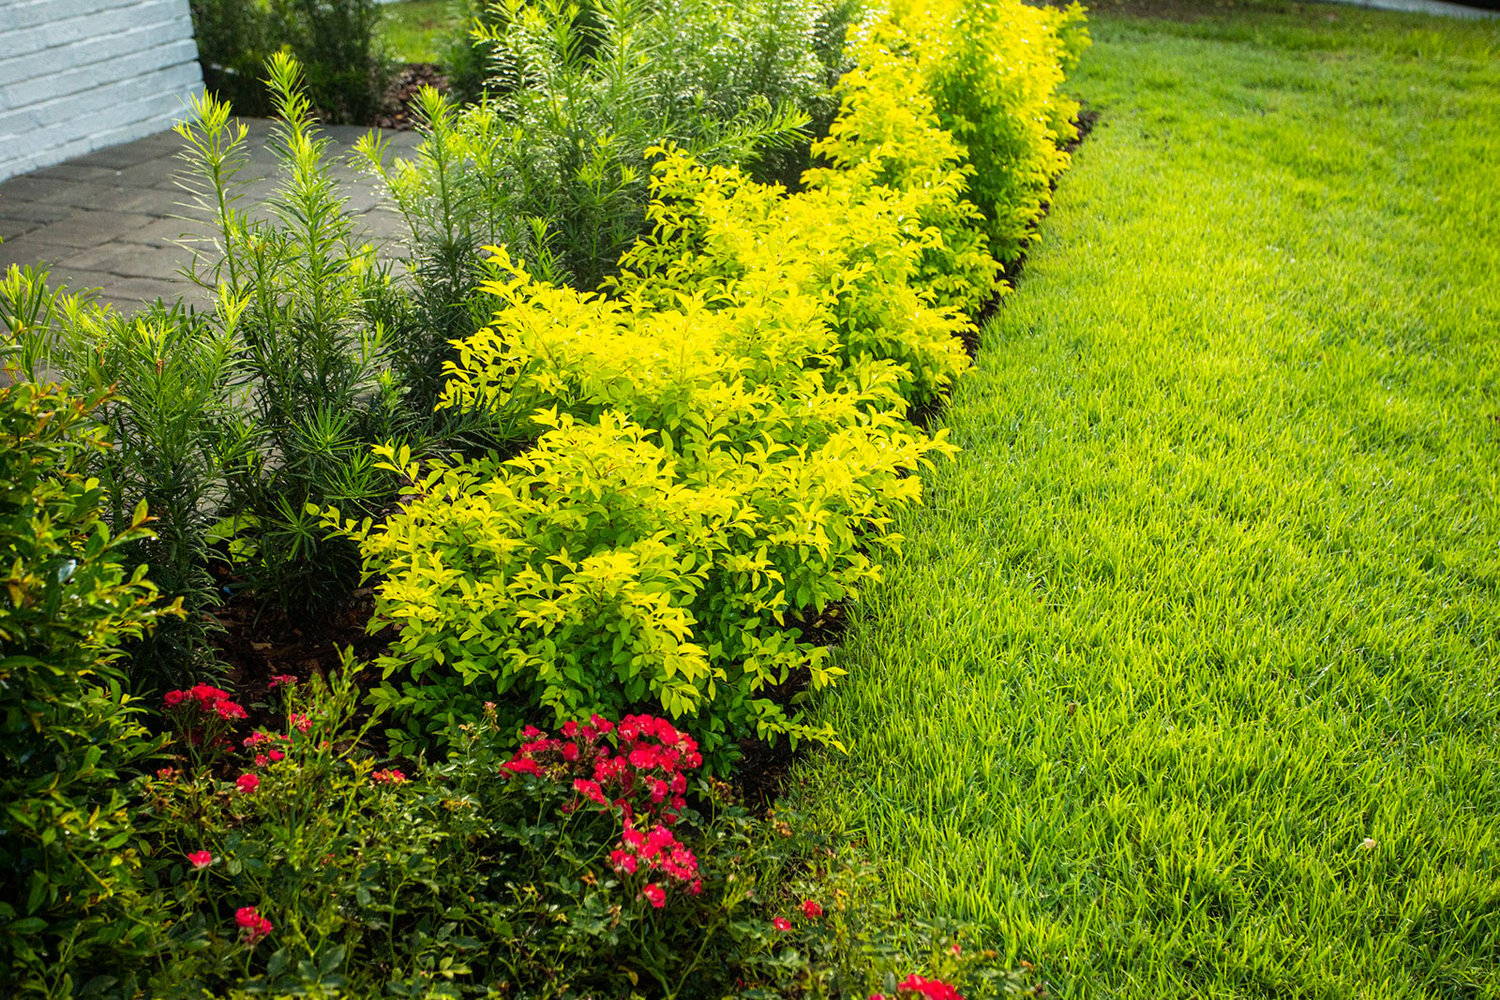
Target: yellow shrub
{"points": [[854, 251], [993, 69], [599, 572]]}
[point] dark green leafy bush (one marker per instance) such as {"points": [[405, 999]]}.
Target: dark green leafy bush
{"points": [[69, 902], [229, 422], [295, 291], [168, 382], [337, 41]]}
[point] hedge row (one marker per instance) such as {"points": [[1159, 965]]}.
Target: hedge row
{"points": [[725, 425]]}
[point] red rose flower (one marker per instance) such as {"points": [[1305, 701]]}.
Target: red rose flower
{"points": [[247, 783], [253, 926], [655, 893], [933, 989], [811, 910], [781, 924], [522, 766], [200, 859]]}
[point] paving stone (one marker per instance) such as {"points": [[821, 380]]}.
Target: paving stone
{"points": [[30, 212], [128, 295], [85, 228], [167, 232], [160, 173], [11, 229], [358, 200], [116, 218], [119, 199], [121, 157], [15, 210], [74, 171], [29, 251], [127, 261], [27, 187]]}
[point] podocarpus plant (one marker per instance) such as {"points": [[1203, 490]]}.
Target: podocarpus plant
{"points": [[582, 93], [713, 52], [70, 907], [455, 196], [297, 289], [230, 422]]}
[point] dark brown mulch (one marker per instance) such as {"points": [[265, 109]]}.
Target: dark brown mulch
{"points": [[258, 644], [395, 115]]}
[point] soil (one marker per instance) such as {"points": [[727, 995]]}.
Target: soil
{"points": [[260, 643]]}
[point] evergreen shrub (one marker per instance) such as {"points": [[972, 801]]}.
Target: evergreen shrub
{"points": [[337, 41]]}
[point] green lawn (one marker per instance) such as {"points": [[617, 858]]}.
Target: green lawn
{"points": [[418, 30], [1213, 594]]}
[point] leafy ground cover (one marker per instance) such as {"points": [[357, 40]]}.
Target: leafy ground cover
{"points": [[1185, 682]]}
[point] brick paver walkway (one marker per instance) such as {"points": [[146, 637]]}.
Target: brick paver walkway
{"points": [[111, 219]]}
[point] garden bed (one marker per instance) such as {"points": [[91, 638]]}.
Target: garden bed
{"points": [[612, 491]]}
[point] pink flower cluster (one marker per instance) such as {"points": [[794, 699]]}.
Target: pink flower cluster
{"points": [[915, 986], [389, 776], [264, 755], [811, 909], [641, 779], [253, 926], [206, 699]]}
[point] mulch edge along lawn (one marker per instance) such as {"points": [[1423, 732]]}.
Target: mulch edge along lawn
{"points": [[1184, 685]]}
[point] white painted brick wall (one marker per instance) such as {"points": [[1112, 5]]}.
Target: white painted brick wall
{"points": [[79, 75]]}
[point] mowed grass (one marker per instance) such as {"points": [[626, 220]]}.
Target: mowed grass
{"points": [[418, 30], [1187, 684]]}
